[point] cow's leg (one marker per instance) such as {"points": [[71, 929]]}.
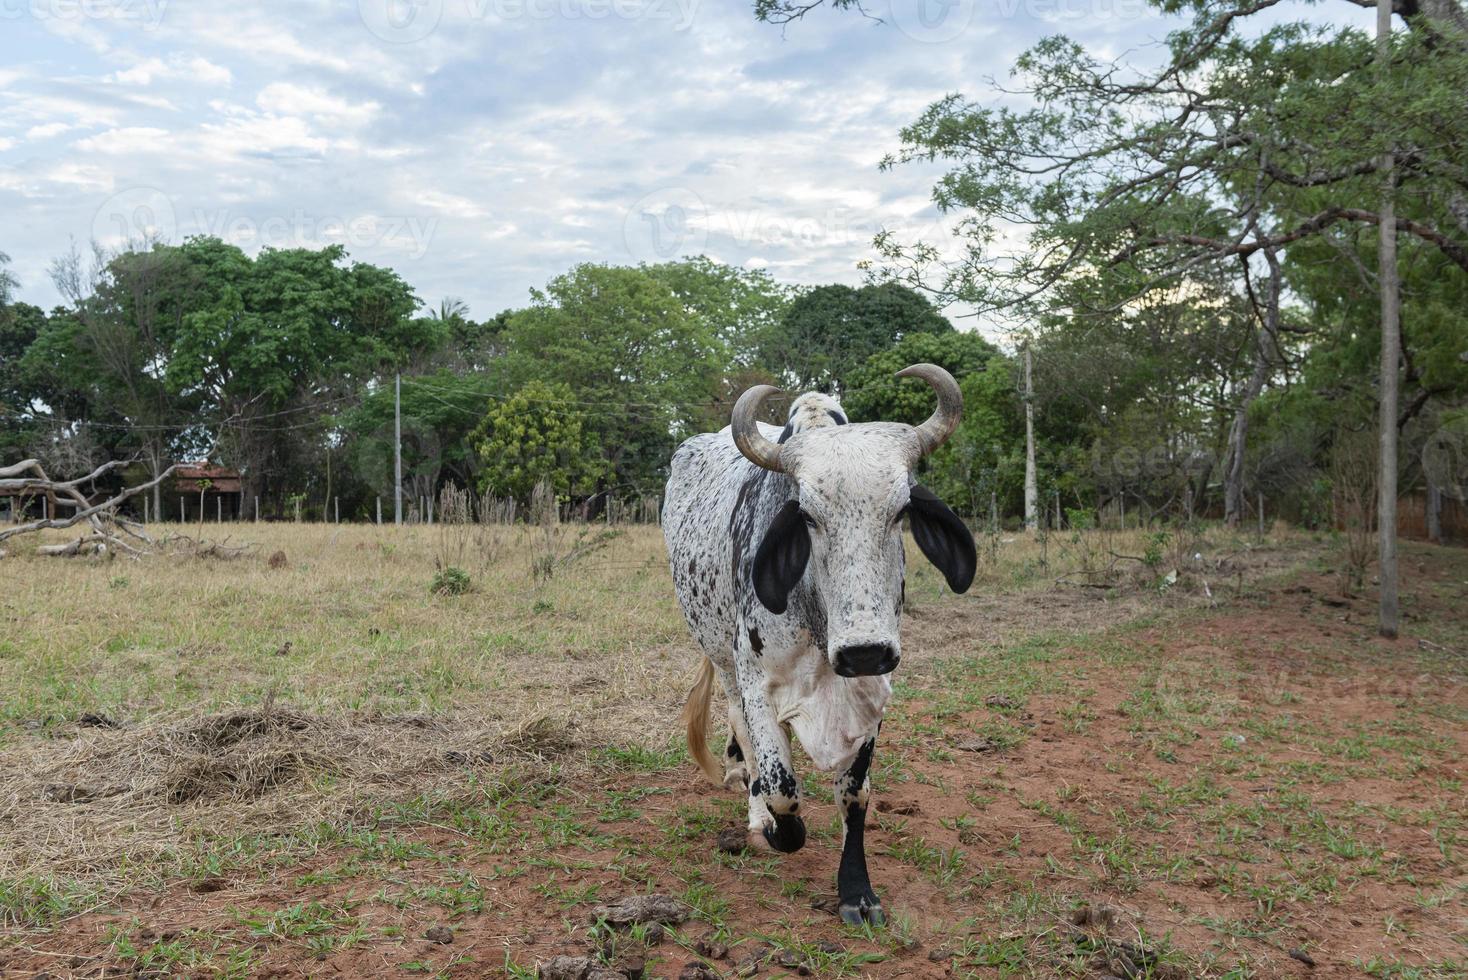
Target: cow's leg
{"points": [[774, 794], [854, 889], [736, 772]]}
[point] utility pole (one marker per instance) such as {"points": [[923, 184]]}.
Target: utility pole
{"points": [[1032, 493], [397, 451], [1386, 258]]}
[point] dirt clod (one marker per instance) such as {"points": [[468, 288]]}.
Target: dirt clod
{"points": [[904, 809], [733, 840], [277, 560], [978, 745], [577, 968], [1001, 701], [710, 948], [1303, 957], [439, 934], [635, 909], [698, 971], [97, 720]]}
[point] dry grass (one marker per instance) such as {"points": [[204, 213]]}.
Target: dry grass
{"points": [[148, 706]]}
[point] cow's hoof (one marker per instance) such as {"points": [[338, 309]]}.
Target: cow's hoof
{"points": [[863, 910], [786, 834]]}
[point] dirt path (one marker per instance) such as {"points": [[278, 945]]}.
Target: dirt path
{"points": [[1235, 792]]}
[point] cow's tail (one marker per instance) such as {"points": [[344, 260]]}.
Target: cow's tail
{"points": [[696, 720]]}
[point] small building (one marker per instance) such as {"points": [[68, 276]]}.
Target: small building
{"points": [[217, 488]]}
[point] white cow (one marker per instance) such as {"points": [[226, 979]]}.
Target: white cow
{"points": [[787, 558]]}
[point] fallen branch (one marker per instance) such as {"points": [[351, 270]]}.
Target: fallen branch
{"points": [[102, 518], [205, 548]]}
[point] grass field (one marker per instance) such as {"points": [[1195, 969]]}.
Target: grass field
{"points": [[1194, 759]]}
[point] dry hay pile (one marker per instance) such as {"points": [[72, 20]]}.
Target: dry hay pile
{"points": [[88, 805]]}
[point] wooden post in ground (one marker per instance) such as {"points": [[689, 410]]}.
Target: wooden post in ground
{"points": [[336, 508], [218, 510], [1261, 514], [1434, 512], [379, 511], [182, 511]]}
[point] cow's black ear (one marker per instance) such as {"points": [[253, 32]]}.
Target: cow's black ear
{"points": [[781, 558], [944, 538]]}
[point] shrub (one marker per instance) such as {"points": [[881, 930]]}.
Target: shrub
{"points": [[450, 581]]}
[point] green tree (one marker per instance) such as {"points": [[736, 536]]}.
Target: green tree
{"points": [[875, 395], [828, 332], [439, 411], [646, 366], [538, 433], [967, 467], [269, 343]]}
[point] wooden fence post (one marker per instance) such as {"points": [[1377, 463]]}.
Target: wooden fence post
{"points": [[379, 511], [1434, 512]]}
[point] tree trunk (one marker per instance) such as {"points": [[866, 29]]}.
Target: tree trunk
{"points": [[1266, 340], [1386, 508], [1032, 492]]}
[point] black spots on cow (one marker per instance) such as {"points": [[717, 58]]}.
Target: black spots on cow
{"points": [[755, 643], [862, 764], [757, 788], [734, 751], [692, 567], [786, 433], [785, 784], [836, 416]]}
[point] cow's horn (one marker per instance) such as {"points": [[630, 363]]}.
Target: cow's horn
{"points": [[755, 447], [940, 425]]}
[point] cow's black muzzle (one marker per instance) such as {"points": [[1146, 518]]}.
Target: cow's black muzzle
{"points": [[867, 660]]}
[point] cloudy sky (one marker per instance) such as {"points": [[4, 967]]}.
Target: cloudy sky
{"points": [[480, 147]]}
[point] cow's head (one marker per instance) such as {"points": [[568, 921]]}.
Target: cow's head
{"points": [[845, 525]]}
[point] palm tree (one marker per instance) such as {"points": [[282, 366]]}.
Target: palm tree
{"points": [[450, 308]]}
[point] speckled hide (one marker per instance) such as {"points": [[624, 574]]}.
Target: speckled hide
{"points": [[819, 661]]}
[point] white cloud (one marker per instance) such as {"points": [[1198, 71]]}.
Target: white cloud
{"points": [[287, 99], [47, 130], [126, 140], [178, 66], [497, 150]]}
